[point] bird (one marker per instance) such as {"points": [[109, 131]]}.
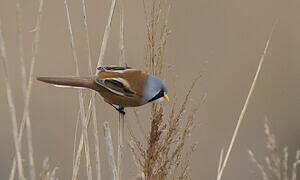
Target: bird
{"points": [[119, 86]]}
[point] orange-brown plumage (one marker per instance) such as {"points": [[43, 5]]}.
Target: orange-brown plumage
{"points": [[118, 86]]}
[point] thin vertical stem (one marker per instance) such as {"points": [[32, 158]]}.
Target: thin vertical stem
{"points": [[11, 104], [106, 34], [246, 102], [80, 96], [26, 116], [97, 144], [121, 44], [110, 150], [21, 47], [121, 116]]}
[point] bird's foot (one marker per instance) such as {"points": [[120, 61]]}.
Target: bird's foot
{"points": [[120, 109]]}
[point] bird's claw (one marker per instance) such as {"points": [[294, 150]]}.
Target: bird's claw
{"points": [[121, 111]]}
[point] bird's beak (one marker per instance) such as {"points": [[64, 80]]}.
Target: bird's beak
{"points": [[166, 97]]}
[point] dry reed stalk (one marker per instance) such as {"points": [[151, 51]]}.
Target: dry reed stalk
{"points": [[220, 162], [120, 143], [48, 173], [106, 35], [241, 117], [121, 44], [100, 62], [26, 116], [80, 147], [80, 96], [138, 122], [110, 150], [295, 164], [20, 44], [97, 144], [285, 163], [22, 63], [11, 105], [75, 138], [121, 116]]}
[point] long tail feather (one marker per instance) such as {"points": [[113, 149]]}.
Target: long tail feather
{"points": [[83, 82]]}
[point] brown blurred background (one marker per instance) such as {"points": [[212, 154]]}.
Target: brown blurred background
{"points": [[223, 38]]}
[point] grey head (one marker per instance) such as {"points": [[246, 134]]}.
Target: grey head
{"points": [[155, 90]]}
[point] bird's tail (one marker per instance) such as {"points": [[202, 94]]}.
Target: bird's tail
{"points": [[75, 82]]}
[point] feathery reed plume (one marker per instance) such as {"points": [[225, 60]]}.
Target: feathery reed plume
{"points": [[80, 96], [11, 105], [163, 153], [48, 173], [273, 159], [241, 117]]}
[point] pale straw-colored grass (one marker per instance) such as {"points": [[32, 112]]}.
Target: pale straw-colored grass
{"points": [[241, 117], [11, 105], [26, 116], [277, 164]]}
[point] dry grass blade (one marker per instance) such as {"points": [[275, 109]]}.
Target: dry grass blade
{"points": [[26, 119], [246, 102], [80, 96], [21, 47], [11, 105], [121, 116], [97, 144], [122, 46], [75, 138], [100, 62], [220, 162], [259, 166], [120, 143], [106, 34], [138, 122], [22, 64], [26, 116], [110, 150]]}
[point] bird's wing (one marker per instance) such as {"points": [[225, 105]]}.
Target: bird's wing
{"points": [[114, 68], [117, 86]]}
